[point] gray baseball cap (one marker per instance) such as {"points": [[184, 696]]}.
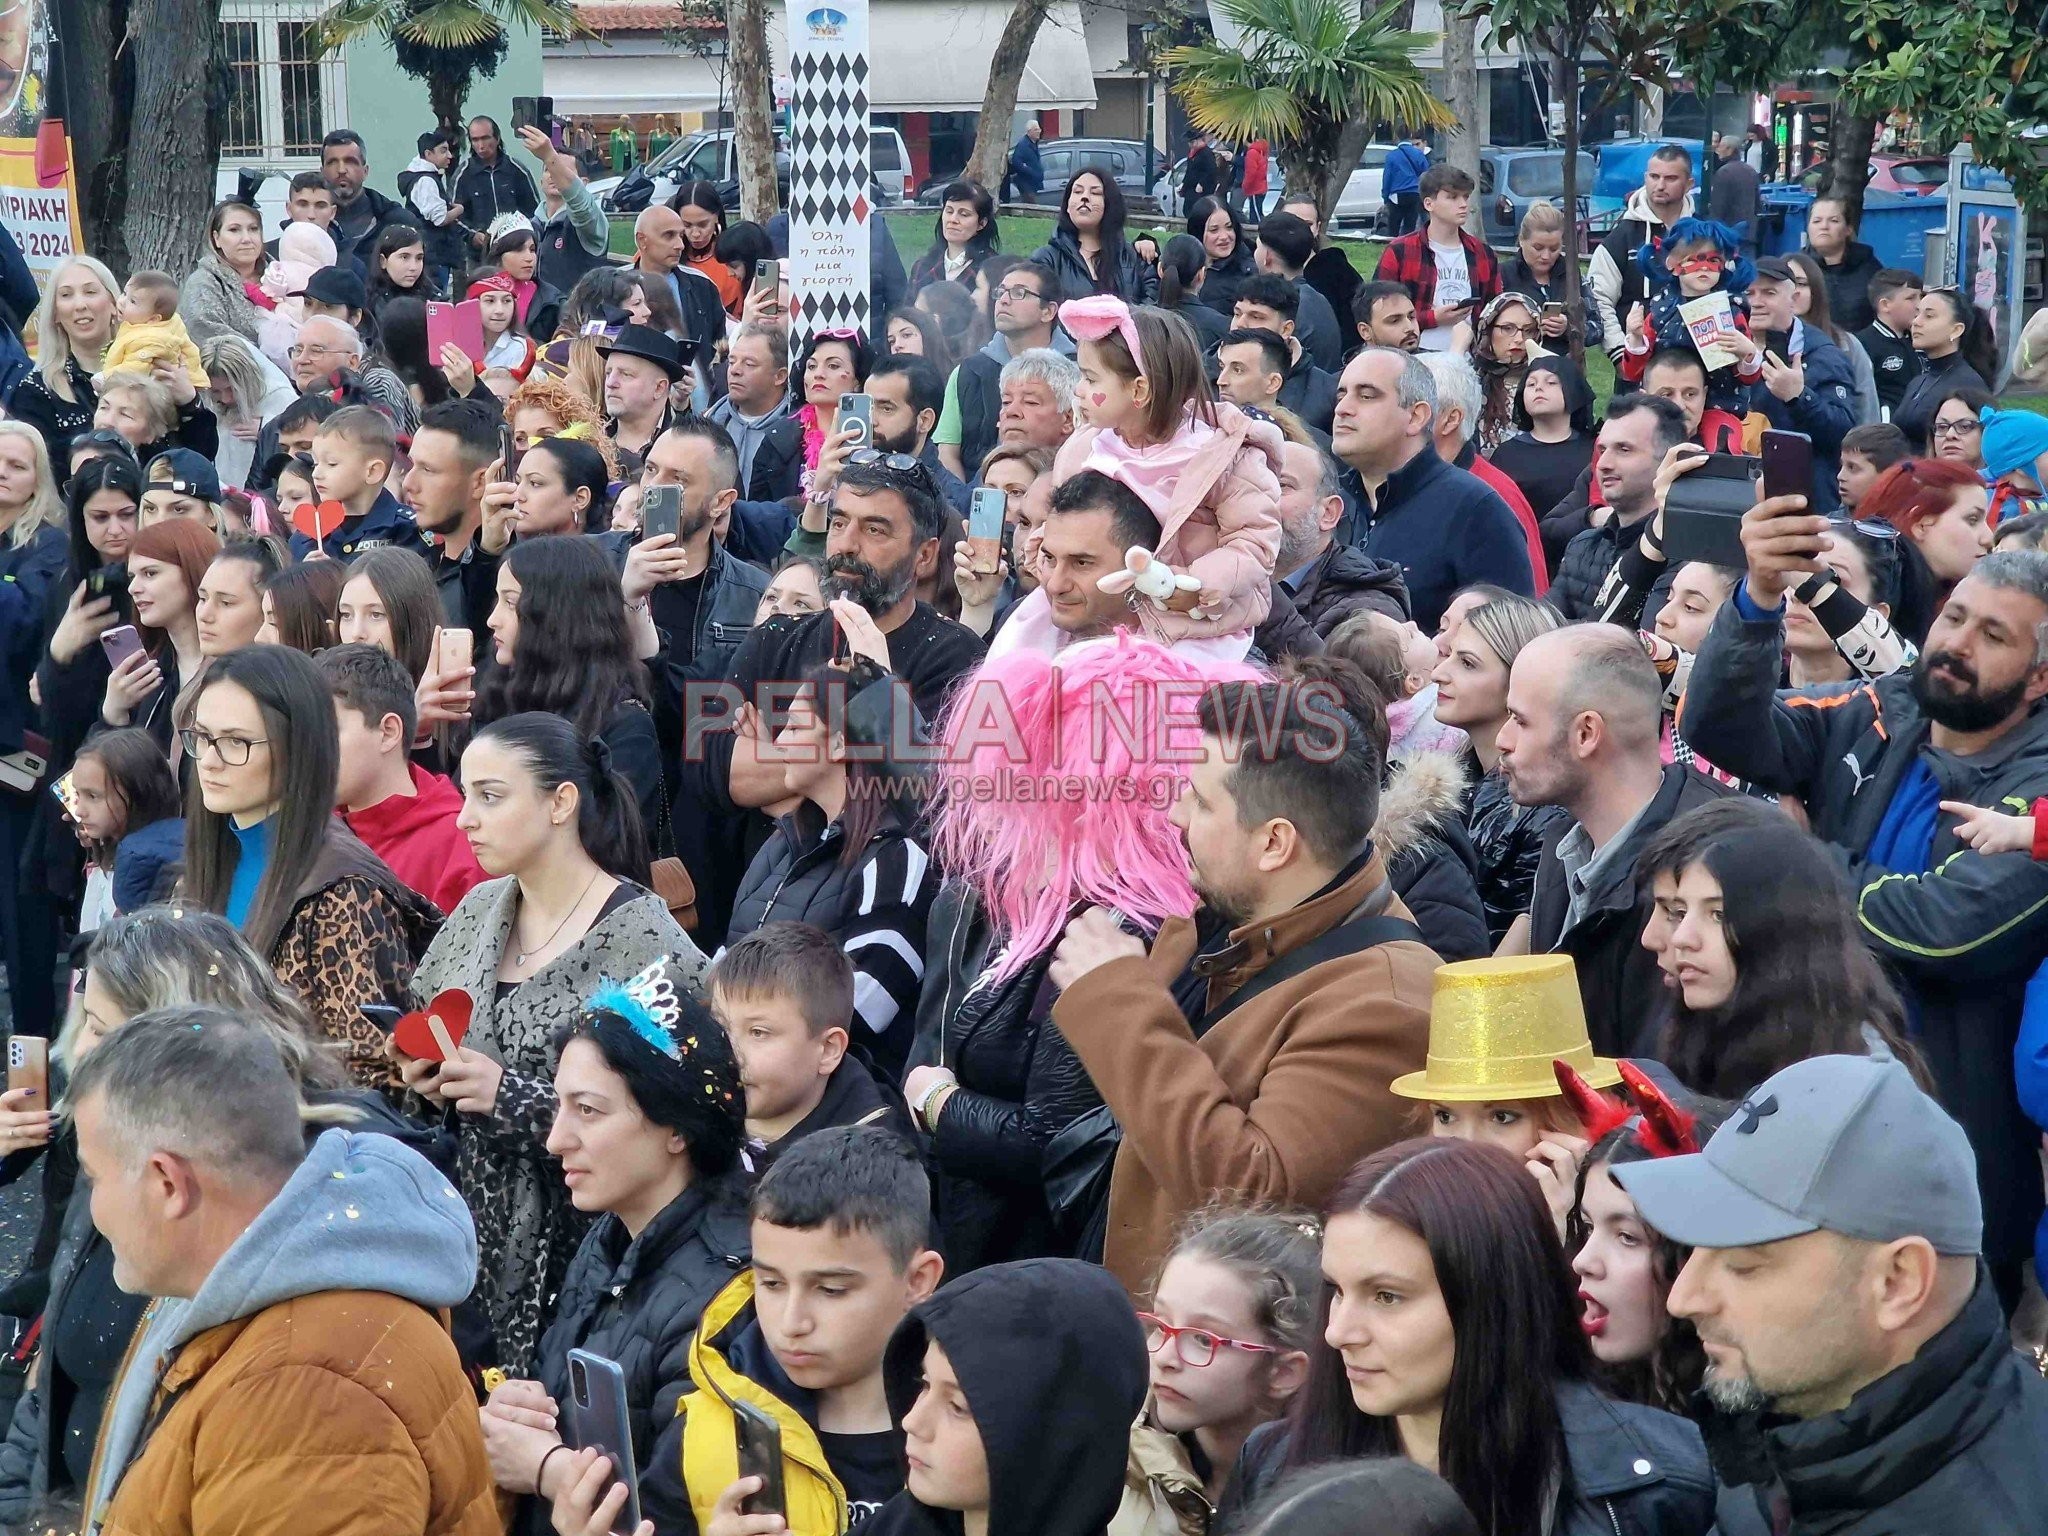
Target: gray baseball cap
{"points": [[1845, 1144]]}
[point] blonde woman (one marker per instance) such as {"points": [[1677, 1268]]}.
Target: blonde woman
{"points": [[244, 390], [74, 326], [34, 547]]}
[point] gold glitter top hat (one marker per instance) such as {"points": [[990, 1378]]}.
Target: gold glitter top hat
{"points": [[1495, 1027]]}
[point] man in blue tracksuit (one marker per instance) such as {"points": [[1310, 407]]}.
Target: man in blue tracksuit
{"points": [[1401, 183], [1961, 932]]}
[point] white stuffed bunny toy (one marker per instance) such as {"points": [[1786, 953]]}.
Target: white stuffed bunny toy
{"points": [[1148, 576]]}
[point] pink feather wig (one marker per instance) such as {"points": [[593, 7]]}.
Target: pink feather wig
{"points": [[1056, 783]]}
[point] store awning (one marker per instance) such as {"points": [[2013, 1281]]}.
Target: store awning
{"points": [[586, 76], [933, 56]]}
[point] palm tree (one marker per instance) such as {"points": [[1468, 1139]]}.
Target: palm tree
{"points": [[1309, 76], [447, 44]]}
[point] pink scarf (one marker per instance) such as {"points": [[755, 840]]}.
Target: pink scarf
{"points": [[814, 444]]}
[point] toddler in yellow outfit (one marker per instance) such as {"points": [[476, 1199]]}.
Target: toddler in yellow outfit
{"points": [[151, 331]]}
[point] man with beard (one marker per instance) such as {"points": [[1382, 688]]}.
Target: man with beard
{"points": [[1860, 1377], [1311, 996], [882, 534], [1962, 931], [907, 394]]}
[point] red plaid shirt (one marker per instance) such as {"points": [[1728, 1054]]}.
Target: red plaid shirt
{"points": [[1410, 262]]}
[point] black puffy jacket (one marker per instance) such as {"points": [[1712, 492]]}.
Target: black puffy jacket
{"points": [[1628, 1469], [1136, 283], [1587, 560], [636, 1301], [1509, 841], [1430, 860], [1951, 1440], [1020, 1084], [1226, 277]]}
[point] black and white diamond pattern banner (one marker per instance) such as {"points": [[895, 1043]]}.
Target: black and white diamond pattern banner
{"points": [[829, 207]]}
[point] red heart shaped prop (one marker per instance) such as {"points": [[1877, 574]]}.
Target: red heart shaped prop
{"points": [[318, 522], [415, 1036]]}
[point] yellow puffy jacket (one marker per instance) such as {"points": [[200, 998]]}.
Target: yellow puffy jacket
{"points": [[817, 1502]]}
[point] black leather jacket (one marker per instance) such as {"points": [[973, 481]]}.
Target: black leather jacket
{"points": [[1136, 283], [1020, 1084], [1509, 840]]}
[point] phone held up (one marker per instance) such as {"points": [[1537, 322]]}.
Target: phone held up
{"points": [[534, 112], [758, 1441], [985, 516], [1787, 464], [28, 1066], [858, 411], [597, 1421], [1703, 512], [661, 511]]}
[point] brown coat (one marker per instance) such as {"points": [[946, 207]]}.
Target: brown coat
{"points": [[1278, 1099], [341, 1413]]}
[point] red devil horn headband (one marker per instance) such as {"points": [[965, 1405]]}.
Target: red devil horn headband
{"points": [[1597, 1113], [1667, 1130]]}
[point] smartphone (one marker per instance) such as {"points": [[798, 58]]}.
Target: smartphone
{"points": [[661, 511], [120, 643], [597, 1421], [28, 1066], [1554, 307], [508, 451], [67, 796], [986, 514], [758, 1439], [461, 324], [1703, 513], [768, 276], [858, 410], [1788, 464], [109, 581], [383, 1015], [534, 112], [457, 653]]}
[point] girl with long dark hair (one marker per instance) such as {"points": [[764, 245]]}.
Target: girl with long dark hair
{"points": [[1088, 251], [558, 833], [1810, 303], [1624, 1265], [537, 305], [1756, 936], [264, 848], [1553, 411], [1450, 1336], [124, 799], [562, 644], [846, 859], [963, 237], [398, 270], [299, 606], [1226, 252], [229, 612], [561, 488]]}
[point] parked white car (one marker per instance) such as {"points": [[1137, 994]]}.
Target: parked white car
{"points": [[1359, 204]]}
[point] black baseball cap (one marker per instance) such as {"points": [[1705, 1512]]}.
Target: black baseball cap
{"points": [[1776, 268], [185, 472], [336, 285]]}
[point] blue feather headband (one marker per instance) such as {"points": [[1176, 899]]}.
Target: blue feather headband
{"points": [[647, 1002]]}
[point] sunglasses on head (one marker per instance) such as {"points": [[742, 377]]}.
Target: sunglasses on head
{"points": [[900, 464]]}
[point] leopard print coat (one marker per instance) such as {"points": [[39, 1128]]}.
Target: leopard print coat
{"points": [[526, 1228], [349, 944]]}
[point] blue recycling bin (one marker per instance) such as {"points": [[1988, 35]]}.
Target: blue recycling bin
{"points": [[1894, 225]]}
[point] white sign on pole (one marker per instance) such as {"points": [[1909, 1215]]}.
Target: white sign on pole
{"points": [[829, 207]]}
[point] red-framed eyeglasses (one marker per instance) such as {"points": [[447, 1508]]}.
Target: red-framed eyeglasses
{"points": [[1195, 1346]]}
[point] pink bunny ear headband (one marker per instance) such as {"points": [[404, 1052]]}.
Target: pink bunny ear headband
{"points": [[1093, 318]]}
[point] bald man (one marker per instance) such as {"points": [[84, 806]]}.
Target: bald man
{"points": [[1584, 728], [658, 252]]}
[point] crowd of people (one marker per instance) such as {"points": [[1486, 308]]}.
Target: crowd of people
{"points": [[1162, 897]]}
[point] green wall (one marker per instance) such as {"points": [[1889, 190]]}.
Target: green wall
{"points": [[389, 108]]}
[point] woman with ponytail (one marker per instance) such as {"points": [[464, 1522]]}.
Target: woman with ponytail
{"points": [[558, 831]]}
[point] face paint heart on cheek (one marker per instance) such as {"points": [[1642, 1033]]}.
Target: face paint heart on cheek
{"points": [[1098, 399]]}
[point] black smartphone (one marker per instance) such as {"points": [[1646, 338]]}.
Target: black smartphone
{"points": [[383, 1015], [1703, 513], [110, 582], [508, 454], [1788, 464], [598, 1421], [661, 511], [534, 112], [758, 1439]]}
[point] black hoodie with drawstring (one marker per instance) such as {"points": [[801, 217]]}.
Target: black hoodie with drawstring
{"points": [[1052, 1361]]}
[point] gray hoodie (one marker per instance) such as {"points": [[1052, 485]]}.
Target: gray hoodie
{"points": [[363, 1213]]}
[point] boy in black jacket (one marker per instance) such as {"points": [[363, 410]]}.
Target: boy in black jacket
{"points": [[1894, 295], [784, 994]]}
